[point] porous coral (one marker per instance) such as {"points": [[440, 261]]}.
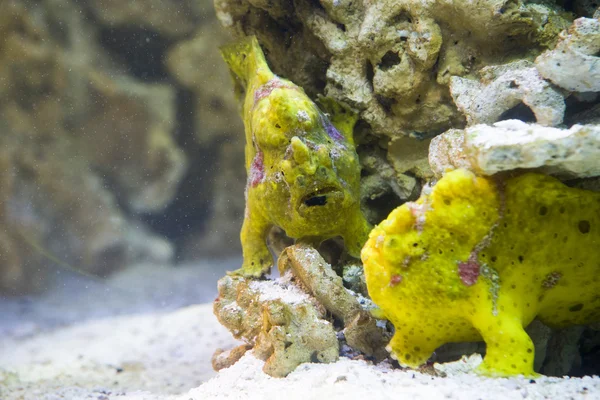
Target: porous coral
{"points": [[393, 62], [283, 324], [481, 258], [504, 87]]}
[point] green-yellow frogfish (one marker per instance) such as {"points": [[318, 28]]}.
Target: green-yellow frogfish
{"points": [[302, 166], [479, 258]]}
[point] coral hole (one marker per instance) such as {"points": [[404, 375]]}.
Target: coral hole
{"points": [[520, 112], [389, 60]]}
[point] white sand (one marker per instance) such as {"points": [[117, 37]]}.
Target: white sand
{"points": [[135, 332], [160, 353], [348, 379], [152, 348]]}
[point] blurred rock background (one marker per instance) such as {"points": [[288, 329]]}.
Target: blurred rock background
{"points": [[120, 141]]}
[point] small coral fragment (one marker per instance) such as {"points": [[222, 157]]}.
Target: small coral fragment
{"points": [[488, 257], [226, 358], [303, 170]]}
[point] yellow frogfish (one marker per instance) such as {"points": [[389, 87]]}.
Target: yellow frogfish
{"points": [[479, 258], [302, 166]]}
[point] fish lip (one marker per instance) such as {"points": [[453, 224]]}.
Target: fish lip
{"points": [[315, 197]]}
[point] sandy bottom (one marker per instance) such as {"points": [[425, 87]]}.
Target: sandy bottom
{"points": [[161, 354], [85, 340]]}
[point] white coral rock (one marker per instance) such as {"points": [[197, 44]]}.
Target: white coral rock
{"points": [[514, 144], [574, 63], [503, 87]]}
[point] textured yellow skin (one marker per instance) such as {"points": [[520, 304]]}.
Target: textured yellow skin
{"points": [[535, 242], [303, 170]]}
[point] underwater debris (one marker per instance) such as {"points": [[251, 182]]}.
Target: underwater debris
{"points": [[517, 230], [513, 144], [303, 170]]}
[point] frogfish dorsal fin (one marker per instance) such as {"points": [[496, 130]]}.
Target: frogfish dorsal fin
{"points": [[246, 61]]}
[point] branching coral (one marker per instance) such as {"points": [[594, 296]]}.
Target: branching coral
{"points": [[361, 330], [284, 324], [295, 318]]}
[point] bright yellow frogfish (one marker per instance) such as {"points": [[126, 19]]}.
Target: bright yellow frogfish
{"points": [[303, 170], [478, 258]]}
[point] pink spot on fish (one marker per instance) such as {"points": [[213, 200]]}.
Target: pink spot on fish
{"points": [[395, 280], [268, 87], [469, 270], [418, 211], [257, 170]]}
